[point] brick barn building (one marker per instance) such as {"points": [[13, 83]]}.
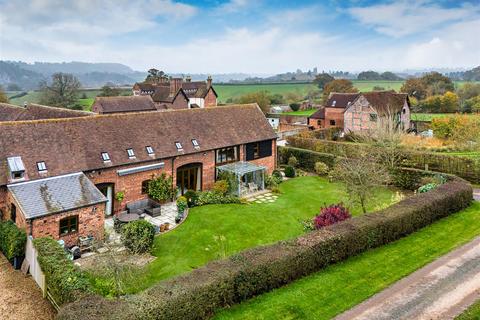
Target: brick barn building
{"points": [[59, 177], [331, 115]]}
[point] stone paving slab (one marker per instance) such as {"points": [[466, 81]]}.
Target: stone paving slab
{"points": [[442, 289]]}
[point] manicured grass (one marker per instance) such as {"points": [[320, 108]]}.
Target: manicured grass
{"points": [[344, 285], [305, 113], [365, 86], [193, 243], [472, 313], [86, 103], [232, 91]]}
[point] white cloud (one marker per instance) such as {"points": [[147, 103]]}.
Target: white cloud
{"points": [[401, 18], [233, 6]]}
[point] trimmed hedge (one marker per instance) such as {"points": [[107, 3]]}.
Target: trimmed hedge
{"points": [[306, 158], [463, 167], [64, 281], [12, 240], [219, 284]]}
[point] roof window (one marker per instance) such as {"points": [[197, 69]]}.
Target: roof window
{"points": [[131, 154], [105, 157], [16, 168], [334, 102], [195, 143], [41, 166], [179, 146], [149, 150]]}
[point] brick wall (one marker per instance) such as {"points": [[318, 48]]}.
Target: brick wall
{"points": [[316, 123], [210, 99], [179, 103], [206, 158], [357, 116], [335, 114]]}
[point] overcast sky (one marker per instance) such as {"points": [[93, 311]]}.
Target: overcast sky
{"points": [[251, 36]]}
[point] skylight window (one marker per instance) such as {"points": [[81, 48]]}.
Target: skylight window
{"points": [[195, 143], [130, 153], [105, 156], [149, 150], [179, 146], [334, 102], [41, 166], [16, 168]]}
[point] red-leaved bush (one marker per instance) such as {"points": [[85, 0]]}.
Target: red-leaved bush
{"points": [[331, 215]]}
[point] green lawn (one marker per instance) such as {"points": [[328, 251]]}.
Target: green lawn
{"points": [[344, 285], [86, 103], [467, 154], [193, 243], [472, 313], [232, 91], [305, 113]]}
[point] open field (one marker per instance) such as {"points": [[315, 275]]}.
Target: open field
{"points": [[344, 285], [193, 243], [305, 113]]}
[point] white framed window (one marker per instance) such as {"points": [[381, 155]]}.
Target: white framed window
{"points": [[149, 150], [105, 156], [195, 143], [41, 166], [130, 153], [179, 146]]}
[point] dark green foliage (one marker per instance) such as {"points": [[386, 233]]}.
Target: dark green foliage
{"points": [[198, 294], [467, 168], [290, 172], [192, 198], [295, 106], [161, 188], [12, 240], [306, 158], [214, 197], [407, 179], [137, 236], [65, 282]]}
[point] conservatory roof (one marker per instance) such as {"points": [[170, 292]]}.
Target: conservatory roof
{"points": [[241, 167]]}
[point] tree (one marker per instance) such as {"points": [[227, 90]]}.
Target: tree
{"points": [[156, 76], [468, 91], [361, 176], [415, 87], [473, 104], [3, 96], [262, 98], [448, 103], [437, 83], [387, 75], [369, 75], [109, 92], [322, 79], [339, 85], [62, 92]]}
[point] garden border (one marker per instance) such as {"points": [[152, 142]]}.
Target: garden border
{"points": [[221, 283]]}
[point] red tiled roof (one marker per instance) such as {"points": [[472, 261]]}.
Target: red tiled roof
{"points": [[76, 144], [320, 114], [10, 112], [341, 100], [124, 104], [386, 101]]}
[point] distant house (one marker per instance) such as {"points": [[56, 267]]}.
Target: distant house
{"points": [[332, 114], [177, 93], [123, 104], [371, 107], [274, 120]]}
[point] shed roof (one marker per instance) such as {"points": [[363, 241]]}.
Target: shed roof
{"points": [[319, 114], [241, 167], [125, 104], [55, 195]]}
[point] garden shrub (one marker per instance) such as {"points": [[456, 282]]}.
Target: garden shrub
{"points": [[161, 188], [427, 187], [277, 175], [182, 204], [292, 161], [331, 215], [192, 198], [12, 240], [306, 158], [321, 168], [221, 186], [407, 179], [222, 283], [65, 281], [232, 181], [137, 236], [290, 172], [214, 197]]}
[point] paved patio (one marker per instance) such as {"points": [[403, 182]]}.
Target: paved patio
{"points": [[265, 197]]}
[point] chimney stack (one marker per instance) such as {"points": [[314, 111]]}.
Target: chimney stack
{"points": [[188, 79], [25, 104], [175, 85], [209, 82]]}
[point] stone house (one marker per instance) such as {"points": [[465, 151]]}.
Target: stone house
{"points": [[177, 93], [60, 177], [370, 108]]}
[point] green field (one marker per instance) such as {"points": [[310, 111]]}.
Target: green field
{"points": [[305, 113], [344, 285]]}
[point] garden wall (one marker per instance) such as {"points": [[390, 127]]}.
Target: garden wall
{"points": [[466, 168], [222, 283]]}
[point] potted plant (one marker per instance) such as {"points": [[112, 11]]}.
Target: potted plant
{"points": [[161, 188]]}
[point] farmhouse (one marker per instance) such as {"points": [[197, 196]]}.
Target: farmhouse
{"points": [[361, 111], [177, 93], [371, 107], [60, 177]]}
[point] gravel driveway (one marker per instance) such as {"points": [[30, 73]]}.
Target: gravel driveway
{"points": [[440, 290], [20, 298]]}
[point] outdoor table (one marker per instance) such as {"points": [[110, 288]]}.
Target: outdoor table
{"points": [[128, 217]]}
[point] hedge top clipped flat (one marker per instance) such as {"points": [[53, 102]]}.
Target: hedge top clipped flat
{"points": [[221, 283]]}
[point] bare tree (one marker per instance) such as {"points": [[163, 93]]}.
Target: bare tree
{"points": [[361, 175], [62, 92]]}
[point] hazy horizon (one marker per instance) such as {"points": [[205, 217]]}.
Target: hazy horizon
{"points": [[243, 36]]}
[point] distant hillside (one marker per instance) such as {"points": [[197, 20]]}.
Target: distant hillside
{"points": [[13, 74], [75, 67]]}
